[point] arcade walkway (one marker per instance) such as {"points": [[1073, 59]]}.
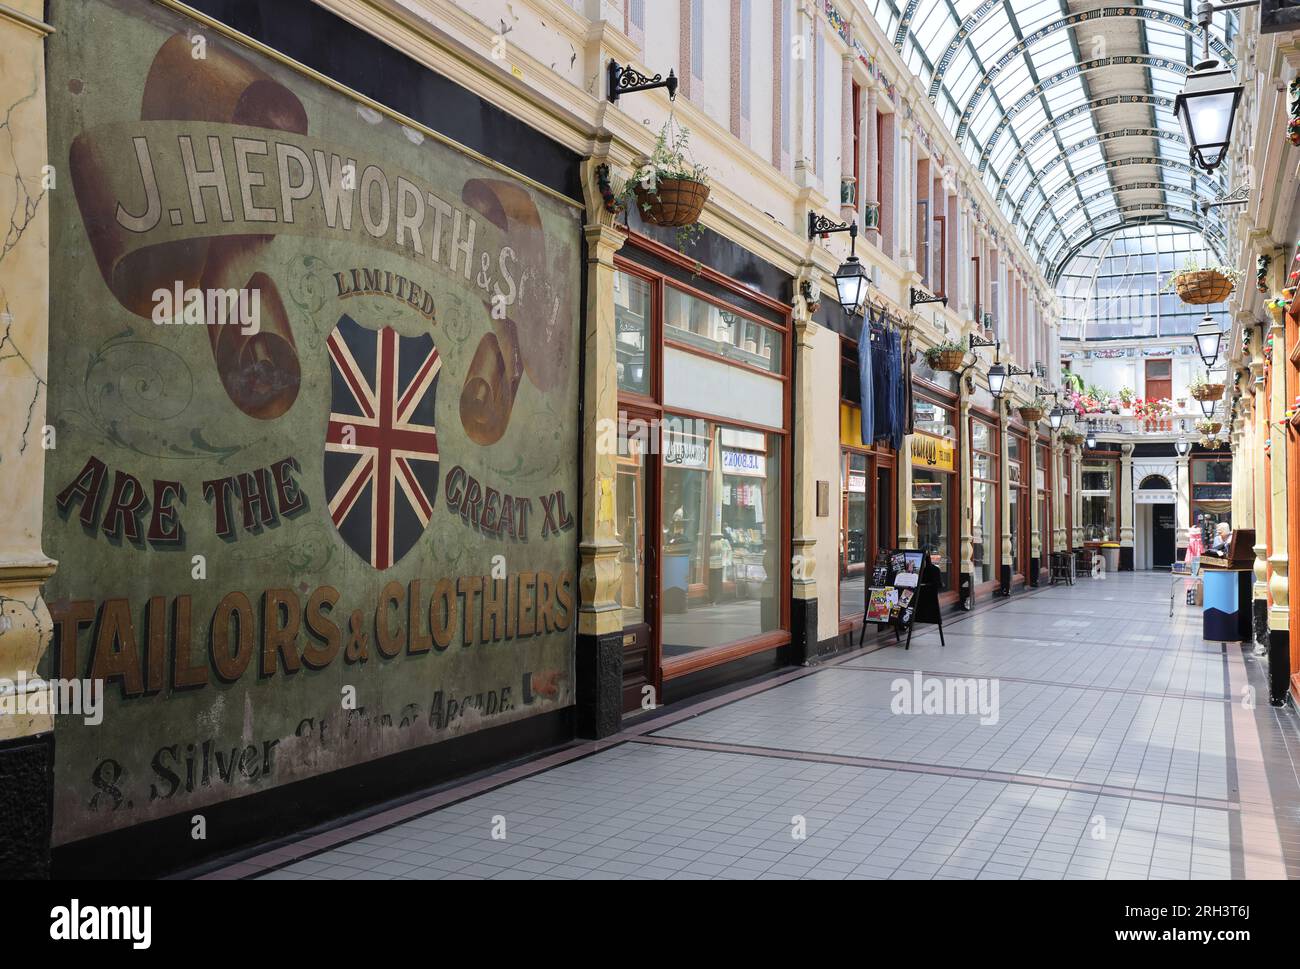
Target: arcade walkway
{"points": [[1118, 747]]}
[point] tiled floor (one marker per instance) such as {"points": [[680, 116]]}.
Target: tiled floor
{"points": [[1118, 747]]}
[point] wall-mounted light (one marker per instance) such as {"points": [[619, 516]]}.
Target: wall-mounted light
{"points": [[625, 79], [1207, 407], [997, 379], [1090, 442], [851, 279], [1182, 446]]}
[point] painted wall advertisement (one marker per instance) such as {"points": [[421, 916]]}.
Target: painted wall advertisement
{"points": [[313, 379]]}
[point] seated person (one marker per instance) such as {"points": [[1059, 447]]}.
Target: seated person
{"points": [[1222, 540]]}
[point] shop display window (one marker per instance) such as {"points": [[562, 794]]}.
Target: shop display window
{"points": [[1211, 494], [1098, 502], [721, 514], [931, 498], [632, 315], [855, 533], [706, 326], [985, 541]]}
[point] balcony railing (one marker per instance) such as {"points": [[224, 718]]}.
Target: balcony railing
{"points": [[1173, 425]]}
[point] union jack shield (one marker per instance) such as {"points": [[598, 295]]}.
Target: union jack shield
{"points": [[381, 445]]}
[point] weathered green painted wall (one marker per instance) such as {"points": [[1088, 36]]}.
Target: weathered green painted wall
{"points": [[229, 674]]}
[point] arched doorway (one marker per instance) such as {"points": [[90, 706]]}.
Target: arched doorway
{"points": [[1154, 501]]}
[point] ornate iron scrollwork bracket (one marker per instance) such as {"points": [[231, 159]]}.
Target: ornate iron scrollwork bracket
{"points": [[625, 79], [1238, 196]]}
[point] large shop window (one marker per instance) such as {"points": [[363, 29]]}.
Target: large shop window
{"points": [[703, 515], [704, 326], [856, 533], [722, 533], [633, 337], [1211, 494], [868, 500], [1042, 481], [1098, 501], [1017, 501], [934, 483], [985, 540]]}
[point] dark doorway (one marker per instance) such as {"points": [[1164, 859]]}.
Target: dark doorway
{"points": [[1162, 536]]}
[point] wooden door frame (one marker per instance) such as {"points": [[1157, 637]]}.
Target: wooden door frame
{"points": [[1291, 369], [784, 436], [653, 532]]}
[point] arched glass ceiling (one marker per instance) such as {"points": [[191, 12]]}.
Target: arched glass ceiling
{"points": [[1065, 106], [1113, 287]]}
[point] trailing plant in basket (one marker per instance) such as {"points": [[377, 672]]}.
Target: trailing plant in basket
{"points": [[1194, 265], [934, 354], [670, 168]]}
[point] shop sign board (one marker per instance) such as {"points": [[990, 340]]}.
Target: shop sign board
{"points": [[929, 451], [744, 463]]}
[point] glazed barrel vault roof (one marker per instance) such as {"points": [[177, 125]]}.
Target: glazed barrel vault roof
{"points": [[1066, 109]]}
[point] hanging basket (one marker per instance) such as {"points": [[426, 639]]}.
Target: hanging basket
{"points": [[1210, 429], [948, 361], [1202, 287], [1208, 392], [1031, 415], [674, 202]]}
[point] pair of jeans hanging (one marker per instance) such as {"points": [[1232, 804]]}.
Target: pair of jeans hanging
{"points": [[866, 384], [900, 372], [884, 408]]}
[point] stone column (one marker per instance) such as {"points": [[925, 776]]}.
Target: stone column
{"points": [[1125, 510], [965, 487], [848, 177], [867, 187], [599, 660], [1279, 652], [1035, 524], [906, 513], [26, 738], [1076, 499], [1053, 479], [1183, 504], [1004, 451], [1260, 485], [803, 615], [1243, 462], [960, 300], [906, 196]]}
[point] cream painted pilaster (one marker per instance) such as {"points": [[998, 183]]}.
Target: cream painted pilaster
{"points": [[848, 177], [1004, 463], [964, 484], [803, 528], [598, 579], [1060, 465], [1182, 506], [25, 626], [1259, 481], [1035, 522], [906, 511], [906, 228], [869, 188], [1076, 482], [1279, 611], [1125, 498]]}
